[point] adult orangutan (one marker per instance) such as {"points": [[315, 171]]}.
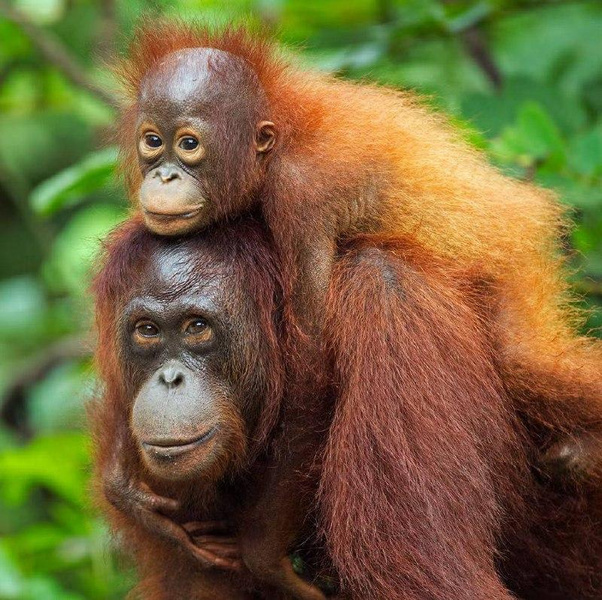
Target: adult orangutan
{"points": [[219, 124], [425, 470]]}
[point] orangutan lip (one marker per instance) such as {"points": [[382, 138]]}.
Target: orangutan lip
{"points": [[170, 447], [173, 216]]}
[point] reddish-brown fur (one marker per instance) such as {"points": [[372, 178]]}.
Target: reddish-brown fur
{"points": [[427, 487], [417, 383]]}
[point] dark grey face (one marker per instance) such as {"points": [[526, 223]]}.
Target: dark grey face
{"points": [[200, 132], [181, 335]]}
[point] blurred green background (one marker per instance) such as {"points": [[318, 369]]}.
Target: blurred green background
{"points": [[523, 79]]}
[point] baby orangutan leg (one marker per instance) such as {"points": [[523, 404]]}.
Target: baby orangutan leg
{"points": [[281, 577], [274, 570]]}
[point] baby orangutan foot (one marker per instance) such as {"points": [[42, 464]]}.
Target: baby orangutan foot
{"points": [[573, 458], [212, 537]]}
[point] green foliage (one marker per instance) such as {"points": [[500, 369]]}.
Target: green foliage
{"points": [[532, 140], [72, 185], [58, 549], [69, 262], [59, 197]]}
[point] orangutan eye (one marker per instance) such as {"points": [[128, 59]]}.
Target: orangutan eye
{"points": [[189, 148], [189, 143], [152, 140], [199, 330], [146, 329]]}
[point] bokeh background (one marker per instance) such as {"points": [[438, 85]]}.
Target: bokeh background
{"points": [[521, 78]]}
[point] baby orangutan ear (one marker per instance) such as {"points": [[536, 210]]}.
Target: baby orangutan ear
{"points": [[265, 136]]}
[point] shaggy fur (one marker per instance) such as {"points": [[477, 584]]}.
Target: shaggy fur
{"points": [[429, 487]]}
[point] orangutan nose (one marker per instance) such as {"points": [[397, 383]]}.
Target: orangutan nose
{"points": [[168, 173], [171, 376]]}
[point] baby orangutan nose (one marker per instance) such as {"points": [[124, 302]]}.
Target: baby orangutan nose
{"points": [[166, 174]]}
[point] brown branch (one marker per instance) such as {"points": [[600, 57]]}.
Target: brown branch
{"points": [[55, 53], [107, 33], [12, 409], [476, 47], [479, 52]]}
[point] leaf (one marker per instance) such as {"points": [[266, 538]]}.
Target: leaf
{"points": [[56, 462], [56, 403], [69, 264], [585, 153], [47, 588], [531, 42], [11, 583], [533, 139], [42, 536], [34, 146], [43, 12], [469, 17], [539, 130], [71, 186], [22, 301], [492, 112]]}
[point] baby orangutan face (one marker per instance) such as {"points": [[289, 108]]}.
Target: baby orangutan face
{"points": [[200, 139]]}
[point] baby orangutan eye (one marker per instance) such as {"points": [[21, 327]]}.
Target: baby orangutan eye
{"points": [[197, 330], [145, 332], [150, 145], [189, 148], [189, 143], [152, 140]]}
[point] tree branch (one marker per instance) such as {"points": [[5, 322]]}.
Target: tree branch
{"points": [[12, 404], [477, 49], [55, 53], [108, 29]]}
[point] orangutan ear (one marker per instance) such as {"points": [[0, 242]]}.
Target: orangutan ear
{"points": [[265, 136]]}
